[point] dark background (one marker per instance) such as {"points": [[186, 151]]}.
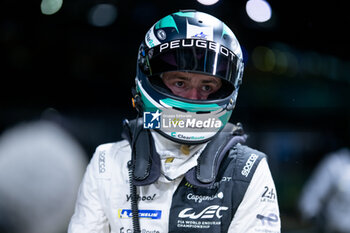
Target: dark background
{"points": [[294, 101]]}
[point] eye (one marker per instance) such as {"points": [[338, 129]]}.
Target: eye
{"points": [[179, 84], [206, 88]]}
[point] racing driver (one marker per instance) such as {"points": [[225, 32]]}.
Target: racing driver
{"points": [[182, 166]]}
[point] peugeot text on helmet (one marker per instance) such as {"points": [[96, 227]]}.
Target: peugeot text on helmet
{"points": [[196, 42]]}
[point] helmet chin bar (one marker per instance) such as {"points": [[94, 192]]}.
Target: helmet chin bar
{"points": [[185, 141], [212, 115], [188, 137]]}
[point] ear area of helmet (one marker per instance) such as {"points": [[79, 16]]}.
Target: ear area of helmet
{"points": [[143, 61], [231, 104], [239, 78]]}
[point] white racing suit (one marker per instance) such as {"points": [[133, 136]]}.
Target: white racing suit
{"points": [[171, 204], [325, 197]]}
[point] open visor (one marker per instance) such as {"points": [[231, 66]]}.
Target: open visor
{"points": [[192, 55]]}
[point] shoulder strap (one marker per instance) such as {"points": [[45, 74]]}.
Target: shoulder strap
{"points": [[246, 161], [204, 174], [146, 160]]}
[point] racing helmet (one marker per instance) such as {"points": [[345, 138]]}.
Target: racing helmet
{"points": [[195, 42]]}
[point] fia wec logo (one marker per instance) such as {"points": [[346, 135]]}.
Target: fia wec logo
{"points": [[209, 212]]}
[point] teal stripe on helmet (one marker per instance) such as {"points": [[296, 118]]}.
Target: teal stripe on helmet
{"points": [[148, 106], [225, 118], [166, 22], [226, 30], [185, 14], [191, 107]]}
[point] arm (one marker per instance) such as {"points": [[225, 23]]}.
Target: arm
{"points": [[258, 211], [89, 215], [318, 187]]}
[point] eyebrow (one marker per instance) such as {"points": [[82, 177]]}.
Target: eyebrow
{"points": [[211, 81], [180, 77], [214, 81]]}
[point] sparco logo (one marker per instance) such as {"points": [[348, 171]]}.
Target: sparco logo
{"points": [[199, 44], [249, 164], [101, 162], [209, 212]]}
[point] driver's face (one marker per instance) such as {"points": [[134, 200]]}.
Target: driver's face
{"points": [[191, 85]]}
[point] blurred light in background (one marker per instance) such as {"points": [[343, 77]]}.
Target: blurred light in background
{"points": [[50, 7], [258, 10], [102, 15], [207, 2], [41, 166], [276, 59], [263, 58], [281, 59]]}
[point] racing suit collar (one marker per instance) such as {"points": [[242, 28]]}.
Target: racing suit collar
{"points": [[175, 161]]}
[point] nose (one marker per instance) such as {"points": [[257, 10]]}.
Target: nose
{"points": [[192, 94]]}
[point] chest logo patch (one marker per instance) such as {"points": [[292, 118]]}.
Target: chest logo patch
{"points": [[148, 214], [208, 213]]}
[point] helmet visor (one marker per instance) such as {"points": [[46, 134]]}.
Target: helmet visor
{"points": [[192, 55]]}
